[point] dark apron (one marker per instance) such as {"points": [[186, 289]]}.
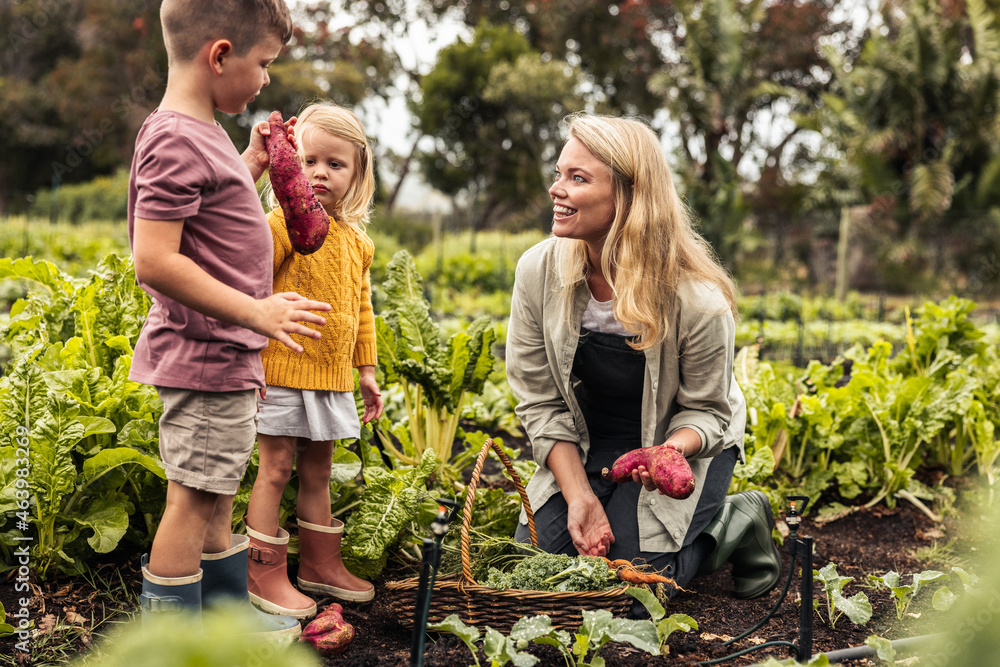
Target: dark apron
{"points": [[609, 390]]}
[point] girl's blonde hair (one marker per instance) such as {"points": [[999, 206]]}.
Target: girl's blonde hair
{"points": [[355, 206], [651, 247]]}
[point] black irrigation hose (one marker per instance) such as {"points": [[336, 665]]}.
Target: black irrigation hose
{"points": [[724, 658], [904, 644], [770, 614], [856, 652]]}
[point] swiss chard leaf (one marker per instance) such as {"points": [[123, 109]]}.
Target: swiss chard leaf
{"points": [[389, 502], [107, 516]]}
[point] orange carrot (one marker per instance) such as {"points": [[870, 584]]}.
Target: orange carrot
{"points": [[633, 576]]}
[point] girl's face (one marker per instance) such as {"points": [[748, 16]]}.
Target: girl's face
{"points": [[328, 162], [582, 196]]}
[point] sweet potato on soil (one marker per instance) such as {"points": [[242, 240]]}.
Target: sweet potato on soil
{"points": [[328, 633], [306, 220], [669, 469]]}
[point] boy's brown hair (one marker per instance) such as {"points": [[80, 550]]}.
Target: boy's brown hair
{"points": [[188, 24]]}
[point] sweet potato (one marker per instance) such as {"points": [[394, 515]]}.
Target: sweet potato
{"points": [[669, 469], [306, 220], [328, 633]]}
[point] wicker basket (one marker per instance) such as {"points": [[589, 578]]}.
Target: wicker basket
{"points": [[481, 605]]}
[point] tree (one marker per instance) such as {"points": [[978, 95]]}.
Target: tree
{"points": [[613, 43], [76, 76], [738, 68], [79, 78], [492, 108], [913, 134]]}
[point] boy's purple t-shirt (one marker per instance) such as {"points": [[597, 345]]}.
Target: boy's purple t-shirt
{"points": [[187, 169]]}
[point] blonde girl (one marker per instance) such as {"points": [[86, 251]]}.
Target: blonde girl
{"points": [[309, 400]]}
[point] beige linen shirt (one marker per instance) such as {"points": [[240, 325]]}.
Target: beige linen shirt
{"points": [[688, 383]]}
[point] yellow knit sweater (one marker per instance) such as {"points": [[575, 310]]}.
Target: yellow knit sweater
{"points": [[338, 274]]}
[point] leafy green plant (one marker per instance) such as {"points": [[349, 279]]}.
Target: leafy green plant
{"points": [[6, 629], [883, 649], [391, 500], [866, 421], [554, 572], [665, 626], [434, 376], [493, 409], [903, 595], [221, 636], [597, 629], [73, 420], [857, 607], [500, 650]]}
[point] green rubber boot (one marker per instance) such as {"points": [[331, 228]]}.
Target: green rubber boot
{"points": [[168, 595], [741, 530], [225, 582]]}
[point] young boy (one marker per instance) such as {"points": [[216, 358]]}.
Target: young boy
{"points": [[202, 249]]}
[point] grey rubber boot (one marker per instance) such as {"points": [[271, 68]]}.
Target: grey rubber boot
{"points": [[168, 595], [225, 583], [741, 530]]}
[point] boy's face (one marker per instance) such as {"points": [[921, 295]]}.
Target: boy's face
{"points": [[243, 76]]}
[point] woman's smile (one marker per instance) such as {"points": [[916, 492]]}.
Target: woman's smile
{"points": [[583, 200]]}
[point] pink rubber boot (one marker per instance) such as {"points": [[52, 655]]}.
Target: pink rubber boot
{"points": [[320, 568]]}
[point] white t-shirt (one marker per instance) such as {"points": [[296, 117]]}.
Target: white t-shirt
{"points": [[600, 316]]}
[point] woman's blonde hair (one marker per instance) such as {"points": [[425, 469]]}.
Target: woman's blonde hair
{"points": [[355, 206], [651, 247]]}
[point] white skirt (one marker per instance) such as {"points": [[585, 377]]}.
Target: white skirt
{"points": [[302, 413]]}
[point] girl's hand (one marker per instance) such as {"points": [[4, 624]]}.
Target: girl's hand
{"points": [[371, 396], [290, 131]]}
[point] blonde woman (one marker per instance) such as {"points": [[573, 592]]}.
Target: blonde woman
{"points": [[621, 336], [309, 402]]}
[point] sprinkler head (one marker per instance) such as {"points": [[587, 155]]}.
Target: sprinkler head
{"points": [[797, 506], [440, 525]]}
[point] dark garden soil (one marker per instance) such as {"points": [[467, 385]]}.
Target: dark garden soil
{"points": [[867, 541]]}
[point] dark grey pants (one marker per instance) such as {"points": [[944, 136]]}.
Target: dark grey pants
{"points": [[620, 502]]}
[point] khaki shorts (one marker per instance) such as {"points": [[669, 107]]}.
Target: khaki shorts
{"points": [[206, 437]]}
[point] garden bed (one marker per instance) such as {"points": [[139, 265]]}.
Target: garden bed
{"points": [[866, 542]]}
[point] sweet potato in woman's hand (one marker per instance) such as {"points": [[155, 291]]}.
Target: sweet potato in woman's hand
{"points": [[306, 220], [669, 470]]}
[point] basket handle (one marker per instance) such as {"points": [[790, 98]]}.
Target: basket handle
{"points": [[470, 500]]}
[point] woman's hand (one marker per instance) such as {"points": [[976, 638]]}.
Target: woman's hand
{"points": [[685, 440], [641, 476], [588, 526]]}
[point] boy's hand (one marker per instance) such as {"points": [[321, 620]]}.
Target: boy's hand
{"points": [[281, 314], [255, 156], [370, 394]]}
